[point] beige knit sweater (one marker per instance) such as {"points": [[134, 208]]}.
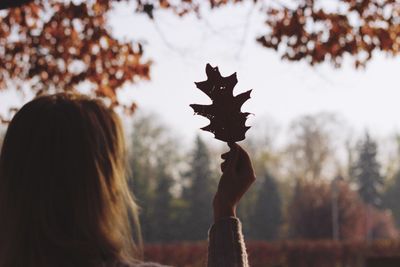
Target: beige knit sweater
{"points": [[226, 246]]}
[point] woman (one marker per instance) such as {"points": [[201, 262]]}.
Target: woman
{"points": [[64, 199]]}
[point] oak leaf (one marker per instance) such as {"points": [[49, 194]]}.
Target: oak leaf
{"points": [[227, 122]]}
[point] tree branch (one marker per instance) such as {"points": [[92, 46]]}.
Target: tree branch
{"points": [[13, 3]]}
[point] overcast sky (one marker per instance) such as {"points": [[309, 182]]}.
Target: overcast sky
{"points": [[180, 49]]}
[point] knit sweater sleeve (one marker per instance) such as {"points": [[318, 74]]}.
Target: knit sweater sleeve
{"points": [[226, 247]]}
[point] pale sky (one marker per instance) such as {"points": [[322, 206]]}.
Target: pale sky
{"points": [[180, 49]]}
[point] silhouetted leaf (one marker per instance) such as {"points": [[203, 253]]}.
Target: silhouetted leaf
{"points": [[227, 122]]}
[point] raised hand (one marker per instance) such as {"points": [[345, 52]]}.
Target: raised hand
{"points": [[237, 176]]}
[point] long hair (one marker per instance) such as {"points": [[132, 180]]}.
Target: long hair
{"points": [[64, 197]]}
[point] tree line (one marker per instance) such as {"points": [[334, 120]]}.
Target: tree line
{"points": [[305, 189]]}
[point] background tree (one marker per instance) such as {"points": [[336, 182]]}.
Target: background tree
{"points": [[311, 148], [162, 221], [391, 198], [199, 192], [367, 172], [310, 212], [261, 145], [154, 157], [382, 225], [267, 214], [261, 142]]}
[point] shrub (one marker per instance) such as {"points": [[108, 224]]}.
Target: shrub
{"points": [[322, 253]]}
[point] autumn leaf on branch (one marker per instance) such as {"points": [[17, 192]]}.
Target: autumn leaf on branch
{"points": [[62, 46], [227, 122], [356, 29]]}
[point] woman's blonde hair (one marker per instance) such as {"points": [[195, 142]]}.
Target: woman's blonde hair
{"points": [[64, 196]]}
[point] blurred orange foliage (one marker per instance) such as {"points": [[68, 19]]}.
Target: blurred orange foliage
{"points": [[310, 214]]}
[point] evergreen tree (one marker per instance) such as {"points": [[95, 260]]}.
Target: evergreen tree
{"points": [[199, 193], [367, 173], [153, 157], [162, 224], [267, 216]]}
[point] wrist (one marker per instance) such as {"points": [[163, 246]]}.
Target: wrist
{"points": [[219, 214], [222, 209]]}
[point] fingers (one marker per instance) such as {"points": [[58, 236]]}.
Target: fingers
{"points": [[237, 177], [223, 166], [231, 157], [225, 157]]}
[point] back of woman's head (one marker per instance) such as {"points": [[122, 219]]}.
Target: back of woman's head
{"points": [[64, 199]]}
